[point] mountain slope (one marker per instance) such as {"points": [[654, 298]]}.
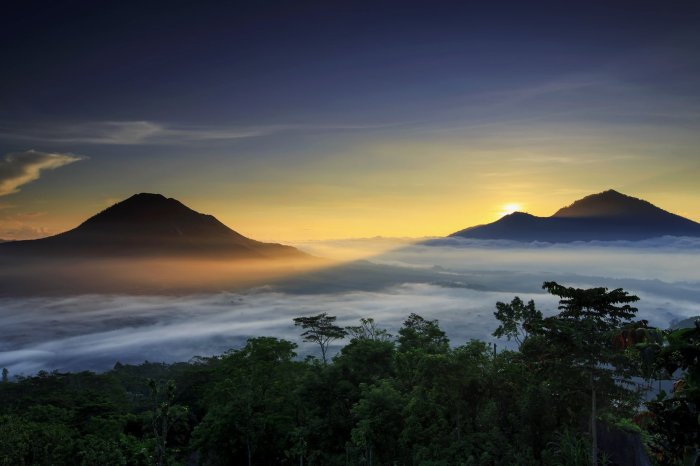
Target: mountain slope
{"points": [[149, 225], [605, 216], [611, 203]]}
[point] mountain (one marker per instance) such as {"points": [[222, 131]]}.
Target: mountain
{"points": [[149, 225], [605, 216], [690, 322], [611, 203]]}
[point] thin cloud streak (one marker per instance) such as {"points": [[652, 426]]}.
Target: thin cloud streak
{"points": [[129, 133], [144, 132], [20, 168]]}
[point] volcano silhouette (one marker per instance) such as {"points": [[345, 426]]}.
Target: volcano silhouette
{"points": [[605, 216], [149, 225]]}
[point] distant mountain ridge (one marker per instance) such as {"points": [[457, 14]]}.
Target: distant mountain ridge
{"points": [[149, 225], [605, 216], [610, 203]]}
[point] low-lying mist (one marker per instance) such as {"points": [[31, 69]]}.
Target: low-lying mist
{"points": [[456, 281], [144, 276]]}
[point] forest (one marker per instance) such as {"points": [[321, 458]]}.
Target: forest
{"points": [[564, 386]]}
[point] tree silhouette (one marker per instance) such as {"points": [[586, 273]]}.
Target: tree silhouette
{"points": [[368, 330], [517, 319], [320, 329], [583, 330]]}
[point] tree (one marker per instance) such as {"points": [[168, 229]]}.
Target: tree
{"points": [[574, 348], [368, 330], [379, 422], [164, 413], [420, 341], [517, 319], [320, 329], [583, 332], [422, 334], [5, 374], [252, 406], [597, 308], [675, 419]]}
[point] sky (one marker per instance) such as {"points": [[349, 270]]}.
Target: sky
{"points": [[299, 120]]}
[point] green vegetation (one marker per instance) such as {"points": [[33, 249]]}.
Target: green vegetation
{"points": [[409, 400]]}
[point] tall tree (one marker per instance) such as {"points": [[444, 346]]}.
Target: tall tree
{"points": [[574, 348], [163, 415], [583, 330], [320, 329], [418, 333], [379, 422], [517, 319], [368, 330]]}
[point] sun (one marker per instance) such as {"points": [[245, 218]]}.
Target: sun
{"points": [[508, 209]]}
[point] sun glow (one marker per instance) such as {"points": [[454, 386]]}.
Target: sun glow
{"points": [[508, 209]]}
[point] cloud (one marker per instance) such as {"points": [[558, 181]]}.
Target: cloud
{"points": [[148, 132], [458, 285], [12, 230], [20, 168], [18, 227], [132, 132], [667, 258], [140, 132], [665, 243], [93, 332]]}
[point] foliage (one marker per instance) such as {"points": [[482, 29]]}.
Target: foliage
{"points": [[250, 407], [517, 320], [368, 330], [418, 333], [320, 329], [676, 419], [570, 448]]}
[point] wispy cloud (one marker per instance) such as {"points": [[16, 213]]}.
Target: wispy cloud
{"points": [[20, 226], [129, 133], [144, 132], [548, 159], [20, 168]]}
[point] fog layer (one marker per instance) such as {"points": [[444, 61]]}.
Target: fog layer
{"points": [[455, 281]]}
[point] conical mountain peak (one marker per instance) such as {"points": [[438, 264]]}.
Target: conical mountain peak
{"points": [[605, 216], [148, 210], [152, 225], [609, 203]]}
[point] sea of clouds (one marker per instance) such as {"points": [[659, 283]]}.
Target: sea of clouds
{"points": [[454, 280]]}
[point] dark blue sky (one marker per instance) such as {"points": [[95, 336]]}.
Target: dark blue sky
{"points": [[365, 100], [261, 61]]}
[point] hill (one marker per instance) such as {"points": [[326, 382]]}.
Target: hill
{"points": [[605, 216], [149, 225], [146, 244]]}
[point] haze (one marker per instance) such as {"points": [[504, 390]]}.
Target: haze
{"points": [[457, 282]]}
